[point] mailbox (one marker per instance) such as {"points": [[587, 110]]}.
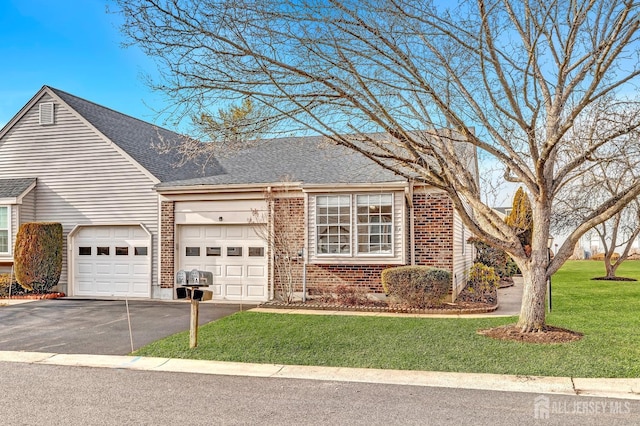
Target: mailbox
{"points": [[181, 277], [189, 281], [200, 278]]}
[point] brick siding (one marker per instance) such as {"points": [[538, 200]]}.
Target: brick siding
{"points": [[167, 244]]}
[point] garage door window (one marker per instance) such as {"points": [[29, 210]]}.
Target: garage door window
{"points": [[214, 251], [4, 229], [84, 251], [192, 251], [140, 251], [103, 251], [256, 251], [122, 251], [234, 251]]}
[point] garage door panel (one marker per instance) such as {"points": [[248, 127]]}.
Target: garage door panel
{"points": [[233, 290], [256, 271], [233, 271], [256, 291]]}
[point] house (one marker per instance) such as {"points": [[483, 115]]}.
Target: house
{"points": [[132, 218]]}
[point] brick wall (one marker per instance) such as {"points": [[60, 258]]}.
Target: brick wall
{"points": [[167, 244], [433, 229]]}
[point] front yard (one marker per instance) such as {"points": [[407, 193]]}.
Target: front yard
{"points": [[606, 312]]}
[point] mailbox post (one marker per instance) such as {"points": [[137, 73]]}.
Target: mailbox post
{"points": [[190, 283]]}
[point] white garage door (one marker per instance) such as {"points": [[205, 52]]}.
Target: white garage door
{"points": [[112, 261], [235, 255]]}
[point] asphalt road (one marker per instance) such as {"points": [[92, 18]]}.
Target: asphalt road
{"points": [[71, 326], [56, 395]]}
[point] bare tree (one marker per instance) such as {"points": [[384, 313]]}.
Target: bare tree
{"points": [[596, 185], [512, 78]]}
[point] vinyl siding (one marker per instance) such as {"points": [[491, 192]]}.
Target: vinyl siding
{"points": [[82, 178], [28, 208], [398, 256], [462, 254]]}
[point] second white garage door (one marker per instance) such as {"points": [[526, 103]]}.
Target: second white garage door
{"points": [[235, 254]]}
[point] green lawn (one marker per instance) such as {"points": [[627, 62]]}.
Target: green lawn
{"points": [[608, 313]]}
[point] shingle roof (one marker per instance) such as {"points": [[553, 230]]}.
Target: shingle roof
{"points": [[309, 160], [137, 138], [11, 188], [301, 159]]}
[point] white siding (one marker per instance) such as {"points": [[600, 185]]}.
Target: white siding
{"points": [[82, 179], [28, 207], [399, 233], [462, 254]]}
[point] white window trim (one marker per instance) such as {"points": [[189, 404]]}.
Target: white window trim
{"points": [[354, 254], [8, 229]]}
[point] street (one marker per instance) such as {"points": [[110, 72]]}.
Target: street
{"points": [[35, 394]]}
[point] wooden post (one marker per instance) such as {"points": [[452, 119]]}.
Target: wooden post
{"points": [[193, 329]]}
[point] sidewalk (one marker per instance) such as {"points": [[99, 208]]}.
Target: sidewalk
{"points": [[610, 388]]}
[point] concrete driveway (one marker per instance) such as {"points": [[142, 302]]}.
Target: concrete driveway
{"points": [[72, 326]]}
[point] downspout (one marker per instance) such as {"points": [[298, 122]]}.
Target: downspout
{"points": [[304, 275], [271, 225], [412, 238]]}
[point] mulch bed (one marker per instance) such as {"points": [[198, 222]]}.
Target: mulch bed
{"points": [[35, 296], [613, 279], [548, 335]]}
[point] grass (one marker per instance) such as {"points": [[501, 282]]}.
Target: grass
{"points": [[606, 312]]}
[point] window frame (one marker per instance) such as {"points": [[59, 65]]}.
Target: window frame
{"points": [[8, 229], [354, 253]]}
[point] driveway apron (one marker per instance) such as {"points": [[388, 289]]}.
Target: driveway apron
{"points": [[72, 326]]}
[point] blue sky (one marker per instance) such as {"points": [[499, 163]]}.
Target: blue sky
{"points": [[72, 45]]}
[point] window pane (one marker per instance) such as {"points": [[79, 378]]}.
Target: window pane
{"points": [[140, 251], [83, 251], [4, 218], [4, 241], [333, 224], [103, 251], [192, 251], [256, 251], [122, 251], [214, 251], [234, 251], [374, 211]]}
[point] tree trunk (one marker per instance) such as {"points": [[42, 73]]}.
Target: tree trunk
{"points": [[533, 310], [610, 267], [534, 273]]}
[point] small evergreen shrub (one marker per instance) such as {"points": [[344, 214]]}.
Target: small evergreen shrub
{"points": [[38, 256], [417, 286], [482, 285], [6, 286]]}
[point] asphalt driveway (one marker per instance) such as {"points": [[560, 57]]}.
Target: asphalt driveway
{"points": [[100, 327]]}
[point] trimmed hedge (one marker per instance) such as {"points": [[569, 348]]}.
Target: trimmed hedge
{"points": [[417, 286], [38, 255]]}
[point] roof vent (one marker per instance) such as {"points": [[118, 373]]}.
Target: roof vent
{"points": [[46, 113]]}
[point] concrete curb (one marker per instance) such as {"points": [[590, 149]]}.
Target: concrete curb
{"points": [[611, 388]]}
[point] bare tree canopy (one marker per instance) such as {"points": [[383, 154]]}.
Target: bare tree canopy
{"points": [[546, 88]]}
